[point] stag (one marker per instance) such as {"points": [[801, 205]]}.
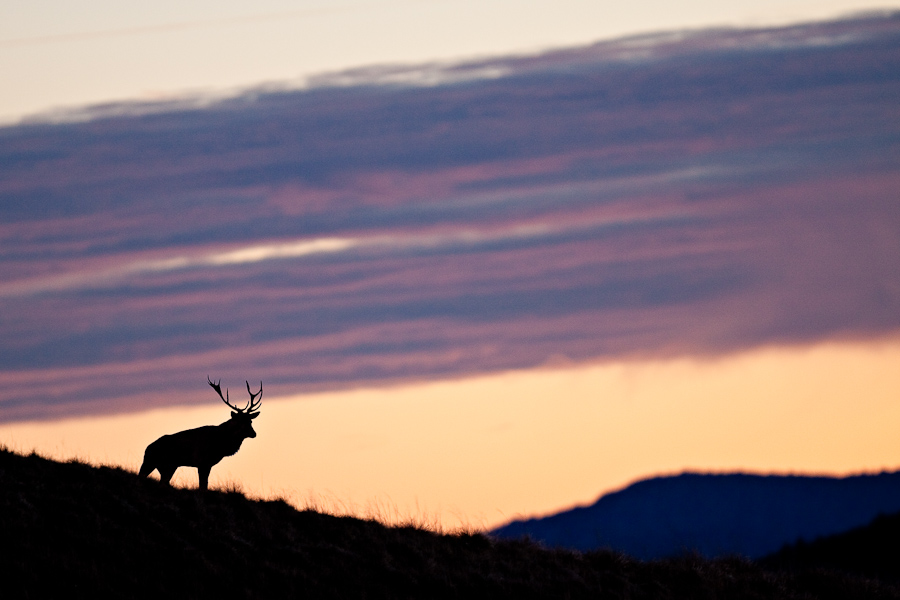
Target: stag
{"points": [[205, 446]]}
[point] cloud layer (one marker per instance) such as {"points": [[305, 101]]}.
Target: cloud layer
{"points": [[660, 195]]}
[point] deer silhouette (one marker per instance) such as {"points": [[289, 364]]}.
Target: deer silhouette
{"points": [[203, 447]]}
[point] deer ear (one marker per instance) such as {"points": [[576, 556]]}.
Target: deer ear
{"points": [[254, 415], [234, 414]]}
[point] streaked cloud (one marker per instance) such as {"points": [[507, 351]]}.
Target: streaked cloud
{"points": [[686, 194]]}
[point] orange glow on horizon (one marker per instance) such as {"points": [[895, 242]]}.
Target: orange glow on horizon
{"points": [[480, 451]]}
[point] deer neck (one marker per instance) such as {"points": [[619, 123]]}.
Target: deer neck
{"points": [[231, 439]]}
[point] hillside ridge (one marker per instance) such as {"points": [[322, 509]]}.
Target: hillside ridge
{"points": [[75, 530]]}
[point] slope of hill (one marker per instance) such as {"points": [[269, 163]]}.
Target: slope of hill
{"points": [[72, 530], [750, 515], [872, 550]]}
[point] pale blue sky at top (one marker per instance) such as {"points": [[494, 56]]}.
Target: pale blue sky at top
{"points": [[56, 53]]}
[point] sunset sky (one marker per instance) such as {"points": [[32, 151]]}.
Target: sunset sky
{"points": [[489, 259]]}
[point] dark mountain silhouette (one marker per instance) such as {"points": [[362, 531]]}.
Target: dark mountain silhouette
{"points": [[76, 531], [872, 551], [715, 515]]}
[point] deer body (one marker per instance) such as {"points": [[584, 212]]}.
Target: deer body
{"points": [[202, 447]]}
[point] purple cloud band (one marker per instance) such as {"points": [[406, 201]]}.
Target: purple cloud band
{"points": [[690, 194]]}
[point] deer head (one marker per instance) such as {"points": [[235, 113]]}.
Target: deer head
{"points": [[243, 416]]}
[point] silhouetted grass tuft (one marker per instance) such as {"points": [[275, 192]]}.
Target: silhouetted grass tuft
{"points": [[73, 530]]}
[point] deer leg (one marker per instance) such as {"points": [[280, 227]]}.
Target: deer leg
{"points": [[146, 469], [203, 472], [165, 473]]}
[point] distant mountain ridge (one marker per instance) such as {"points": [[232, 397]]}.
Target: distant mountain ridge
{"points": [[716, 514]]}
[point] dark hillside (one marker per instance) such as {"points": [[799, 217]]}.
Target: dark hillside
{"points": [[76, 531], [872, 550]]}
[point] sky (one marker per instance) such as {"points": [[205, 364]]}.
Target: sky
{"points": [[63, 54], [482, 271]]}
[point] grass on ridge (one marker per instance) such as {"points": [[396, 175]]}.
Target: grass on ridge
{"points": [[74, 530]]}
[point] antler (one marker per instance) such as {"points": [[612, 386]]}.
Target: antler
{"points": [[225, 398], [254, 403], [251, 407]]}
